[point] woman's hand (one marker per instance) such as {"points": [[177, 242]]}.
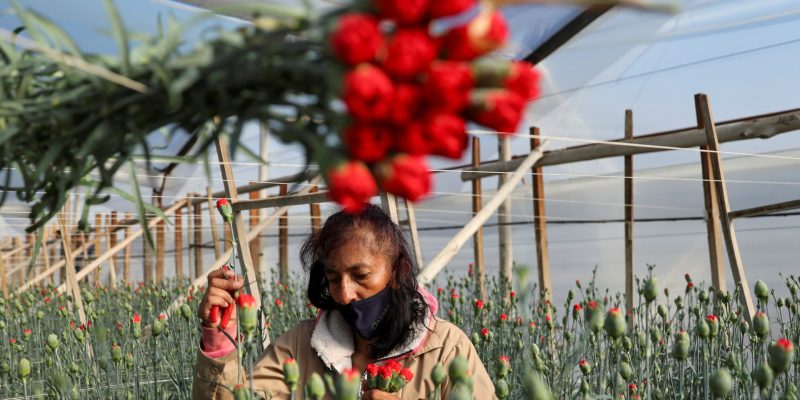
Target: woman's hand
{"points": [[375, 394], [222, 283]]}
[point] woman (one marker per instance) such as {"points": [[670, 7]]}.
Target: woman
{"points": [[371, 310]]}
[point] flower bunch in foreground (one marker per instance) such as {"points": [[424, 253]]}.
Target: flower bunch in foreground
{"points": [[389, 377], [409, 91]]}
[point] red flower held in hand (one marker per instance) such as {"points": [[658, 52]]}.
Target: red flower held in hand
{"points": [[368, 93], [368, 143], [385, 372], [356, 38], [500, 110], [409, 53], [442, 8], [406, 374], [447, 85], [403, 11], [372, 370], [486, 32], [351, 185], [446, 135], [406, 176]]}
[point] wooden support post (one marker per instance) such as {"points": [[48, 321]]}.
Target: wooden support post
{"points": [[389, 205], [240, 232], [126, 264], [412, 229], [212, 216], [283, 241], [540, 223], [160, 233], [629, 291], [712, 214], [704, 112], [255, 243], [179, 244], [198, 238], [477, 239], [3, 271], [98, 236], [112, 262], [17, 262], [26, 261], [504, 220], [147, 262], [112, 237], [314, 212]]}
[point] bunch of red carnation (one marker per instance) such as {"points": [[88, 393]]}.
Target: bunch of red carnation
{"points": [[409, 93], [389, 377]]}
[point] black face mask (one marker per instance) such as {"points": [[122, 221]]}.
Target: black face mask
{"points": [[364, 316]]}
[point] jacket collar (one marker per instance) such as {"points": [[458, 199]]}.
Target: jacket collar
{"points": [[332, 337]]}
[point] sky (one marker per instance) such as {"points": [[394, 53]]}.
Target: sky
{"points": [[744, 54]]}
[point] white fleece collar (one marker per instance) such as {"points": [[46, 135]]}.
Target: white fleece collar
{"points": [[332, 338]]}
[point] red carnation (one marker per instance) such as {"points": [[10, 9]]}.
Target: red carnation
{"points": [[385, 372], [406, 374], [485, 332], [409, 53], [523, 80], [412, 139], [372, 370], [406, 176], [368, 143], [136, 319], [503, 317], [500, 110], [394, 365], [356, 38], [406, 103], [403, 11], [368, 93], [479, 304], [444, 8], [784, 344], [351, 185], [246, 301], [446, 135], [486, 32], [448, 85]]}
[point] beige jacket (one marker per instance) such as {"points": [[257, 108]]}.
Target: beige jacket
{"points": [[326, 346]]}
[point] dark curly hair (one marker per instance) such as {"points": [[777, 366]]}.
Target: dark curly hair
{"points": [[407, 305]]}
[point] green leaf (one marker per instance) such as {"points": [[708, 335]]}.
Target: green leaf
{"points": [[36, 246], [140, 207], [120, 35], [149, 207]]}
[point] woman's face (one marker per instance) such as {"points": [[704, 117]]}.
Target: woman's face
{"points": [[355, 271]]}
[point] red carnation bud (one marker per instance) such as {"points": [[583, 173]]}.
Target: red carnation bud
{"points": [[409, 53], [406, 176], [500, 110], [368, 93], [136, 319], [368, 142], [356, 38], [403, 11], [523, 80], [485, 332], [351, 185], [246, 300], [447, 86], [486, 32], [442, 8]]}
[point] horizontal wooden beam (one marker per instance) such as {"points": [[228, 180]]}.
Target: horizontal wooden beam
{"points": [[286, 201], [761, 126], [767, 209], [253, 187]]}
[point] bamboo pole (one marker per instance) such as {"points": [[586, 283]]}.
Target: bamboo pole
{"points": [[255, 243], [477, 238], [629, 293], [213, 220], [412, 229], [242, 246], [17, 263], [712, 217], [179, 244], [540, 224], [289, 200], [765, 210], [72, 279], [732, 245], [283, 240], [389, 205], [504, 221], [160, 243], [3, 278], [451, 249], [112, 231]]}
